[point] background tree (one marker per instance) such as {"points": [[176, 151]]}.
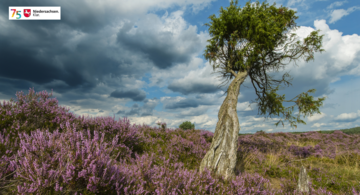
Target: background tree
{"points": [[187, 125], [259, 31]]}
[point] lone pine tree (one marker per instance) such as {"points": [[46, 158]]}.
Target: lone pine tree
{"points": [[252, 35]]}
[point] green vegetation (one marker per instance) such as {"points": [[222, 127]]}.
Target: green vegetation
{"points": [[351, 131], [187, 125], [330, 157]]}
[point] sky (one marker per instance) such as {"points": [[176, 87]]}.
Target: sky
{"points": [[143, 60]]}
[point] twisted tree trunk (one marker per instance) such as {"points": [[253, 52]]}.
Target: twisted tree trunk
{"points": [[221, 157]]}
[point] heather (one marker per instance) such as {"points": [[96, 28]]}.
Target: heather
{"points": [[45, 149]]}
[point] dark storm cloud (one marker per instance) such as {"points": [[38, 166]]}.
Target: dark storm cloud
{"points": [[193, 88], [160, 47], [192, 102], [22, 63], [183, 104], [193, 112], [135, 110], [74, 14], [7, 86], [145, 110], [159, 81], [149, 106], [121, 112], [134, 94], [62, 55], [74, 55]]}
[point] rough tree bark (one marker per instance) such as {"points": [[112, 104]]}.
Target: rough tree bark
{"points": [[303, 182], [221, 156]]}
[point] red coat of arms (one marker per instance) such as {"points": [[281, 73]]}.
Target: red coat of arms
{"points": [[27, 12]]}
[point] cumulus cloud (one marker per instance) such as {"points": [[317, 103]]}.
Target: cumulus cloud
{"points": [[210, 123], [202, 119], [318, 124], [87, 55], [197, 81], [158, 44], [260, 125], [136, 110], [339, 58], [347, 117], [316, 117], [147, 120], [245, 106], [245, 124]]}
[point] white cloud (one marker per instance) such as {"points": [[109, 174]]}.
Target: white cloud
{"points": [[191, 111], [167, 99], [339, 13], [316, 117], [202, 119], [336, 4], [261, 125], [293, 2], [245, 124], [335, 79], [298, 3], [244, 106], [318, 124], [347, 116], [148, 120], [139, 7], [177, 72], [210, 123], [339, 58], [200, 76]]}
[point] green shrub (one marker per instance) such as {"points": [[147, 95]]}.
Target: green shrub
{"points": [[187, 125]]}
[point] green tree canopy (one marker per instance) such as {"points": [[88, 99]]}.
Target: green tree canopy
{"points": [[249, 40], [187, 125]]}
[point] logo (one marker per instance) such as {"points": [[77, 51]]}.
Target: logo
{"points": [[34, 13], [18, 15], [27, 12]]}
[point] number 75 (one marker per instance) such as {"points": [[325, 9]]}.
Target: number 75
{"points": [[17, 13]]}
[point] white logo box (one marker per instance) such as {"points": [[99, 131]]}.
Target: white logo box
{"points": [[34, 13]]}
